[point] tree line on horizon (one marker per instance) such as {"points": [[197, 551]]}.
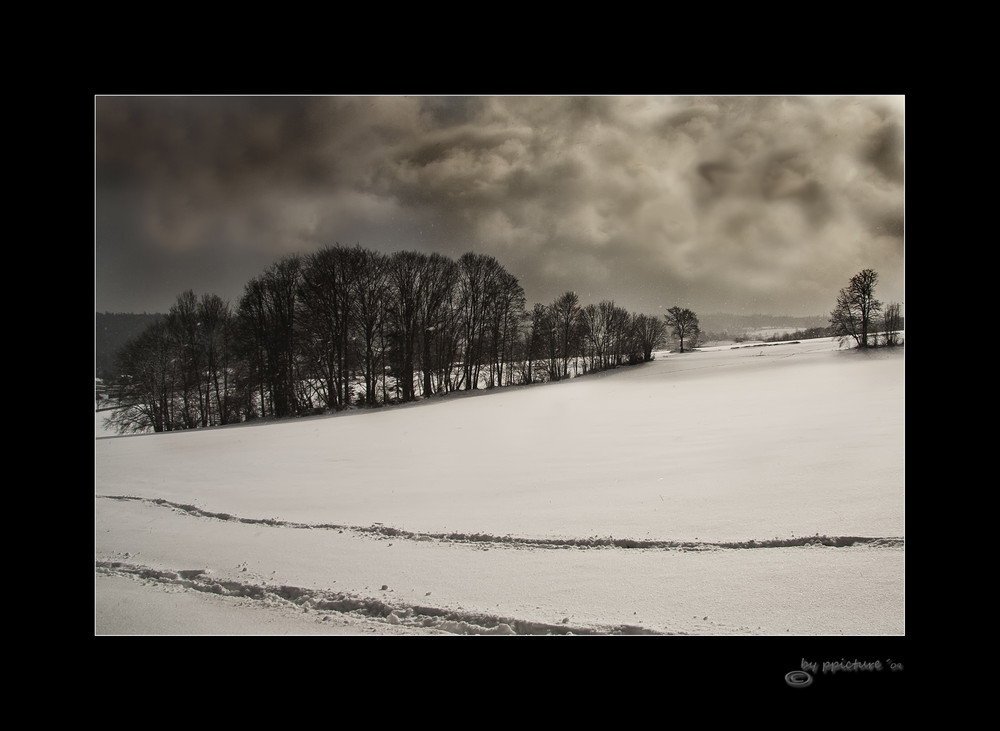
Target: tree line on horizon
{"points": [[350, 327]]}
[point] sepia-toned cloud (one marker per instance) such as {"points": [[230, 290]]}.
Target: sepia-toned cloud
{"points": [[721, 204]]}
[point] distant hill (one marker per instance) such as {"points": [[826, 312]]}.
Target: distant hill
{"points": [[112, 331], [739, 324]]}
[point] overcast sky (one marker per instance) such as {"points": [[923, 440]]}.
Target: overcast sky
{"points": [[735, 204]]}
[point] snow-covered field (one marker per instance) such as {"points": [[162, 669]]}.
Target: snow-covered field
{"points": [[729, 491]]}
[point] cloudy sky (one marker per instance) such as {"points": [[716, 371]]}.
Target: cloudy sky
{"points": [[734, 204]]}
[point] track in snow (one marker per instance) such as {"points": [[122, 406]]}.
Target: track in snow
{"points": [[324, 603], [479, 538]]}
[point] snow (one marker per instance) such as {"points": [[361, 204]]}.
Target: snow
{"points": [[691, 495]]}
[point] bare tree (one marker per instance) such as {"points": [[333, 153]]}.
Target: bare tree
{"points": [[215, 319], [619, 322], [565, 314], [604, 329], [649, 333], [267, 309], [505, 306], [307, 326], [188, 359], [477, 273], [683, 323], [437, 281], [534, 341], [369, 289], [324, 323], [892, 323], [146, 384], [857, 309], [404, 276], [594, 329]]}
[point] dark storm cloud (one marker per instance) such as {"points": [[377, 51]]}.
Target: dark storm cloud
{"points": [[762, 204]]}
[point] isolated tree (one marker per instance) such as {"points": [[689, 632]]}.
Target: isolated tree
{"points": [[857, 309], [683, 323]]}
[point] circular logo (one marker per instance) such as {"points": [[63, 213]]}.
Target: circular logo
{"points": [[798, 679]]}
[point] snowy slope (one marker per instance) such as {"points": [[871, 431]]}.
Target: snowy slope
{"points": [[672, 497]]}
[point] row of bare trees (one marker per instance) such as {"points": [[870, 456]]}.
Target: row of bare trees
{"points": [[352, 327], [181, 372]]}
